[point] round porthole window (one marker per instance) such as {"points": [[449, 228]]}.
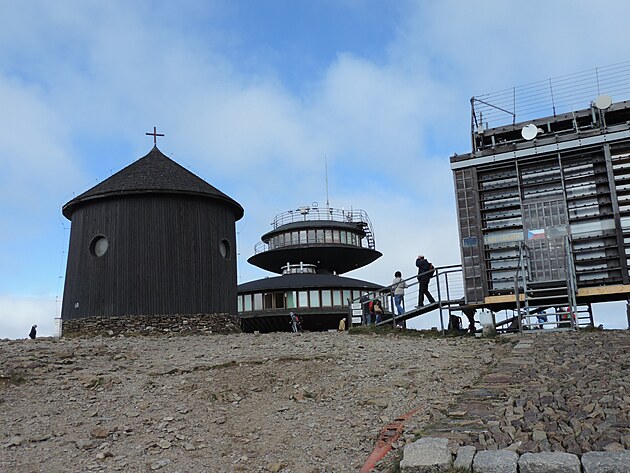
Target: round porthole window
{"points": [[225, 249], [99, 246]]}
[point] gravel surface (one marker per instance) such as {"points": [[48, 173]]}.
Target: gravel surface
{"points": [[277, 402], [312, 402]]}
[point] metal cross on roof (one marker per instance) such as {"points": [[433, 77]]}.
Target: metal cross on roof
{"points": [[155, 135]]}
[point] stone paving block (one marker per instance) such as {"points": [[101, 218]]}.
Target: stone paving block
{"points": [[464, 458], [495, 461], [549, 462], [606, 462], [426, 455]]}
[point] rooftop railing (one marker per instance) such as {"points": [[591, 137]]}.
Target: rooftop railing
{"points": [[328, 214], [308, 213], [550, 97]]}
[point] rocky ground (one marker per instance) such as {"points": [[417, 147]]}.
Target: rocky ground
{"points": [[313, 402], [552, 392]]}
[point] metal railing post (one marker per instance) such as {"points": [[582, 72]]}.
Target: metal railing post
{"points": [[518, 298], [448, 294], [448, 298], [393, 306], [571, 284], [522, 248], [350, 315], [437, 280]]}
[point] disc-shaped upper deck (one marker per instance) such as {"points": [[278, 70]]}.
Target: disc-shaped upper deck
{"points": [[333, 240]]}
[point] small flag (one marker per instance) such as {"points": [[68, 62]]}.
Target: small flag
{"points": [[535, 234]]}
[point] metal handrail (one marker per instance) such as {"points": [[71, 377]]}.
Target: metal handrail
{"points": [[551, 96], [441, 278]]}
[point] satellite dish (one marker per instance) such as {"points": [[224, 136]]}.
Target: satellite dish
{"points": [[603, 102], [529, 132]]}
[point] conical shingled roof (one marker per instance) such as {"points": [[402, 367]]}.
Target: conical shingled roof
{"points": [[153, 173]]}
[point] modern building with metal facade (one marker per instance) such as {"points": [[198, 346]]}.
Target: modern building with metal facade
{"points": [[153, 239], [547, 197], [309, 247]]}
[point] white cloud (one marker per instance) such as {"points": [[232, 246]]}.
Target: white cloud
{"points": [[494, 45], [33, 145]]}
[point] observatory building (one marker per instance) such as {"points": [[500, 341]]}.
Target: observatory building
{"points": [[151, 240], [543, 204], [309, 247]]}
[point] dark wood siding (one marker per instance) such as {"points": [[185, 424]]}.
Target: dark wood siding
{"points": [[163, 257]]}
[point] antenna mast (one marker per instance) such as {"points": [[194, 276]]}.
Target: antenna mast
{"points": [[326, 172]]}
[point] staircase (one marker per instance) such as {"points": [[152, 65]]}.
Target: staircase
{"points": [[410, 314], [543, 301], [367, 229], [550, 307]]}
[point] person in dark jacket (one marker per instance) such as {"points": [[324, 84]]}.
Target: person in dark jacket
{"points": [[377, 309], [423, 266], [33, 332]]}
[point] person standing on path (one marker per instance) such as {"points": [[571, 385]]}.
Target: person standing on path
{"points": [[399, 287], [424, 276], [294, 322]]}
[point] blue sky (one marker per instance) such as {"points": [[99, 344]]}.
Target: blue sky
{"points": [[255, 97]]}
